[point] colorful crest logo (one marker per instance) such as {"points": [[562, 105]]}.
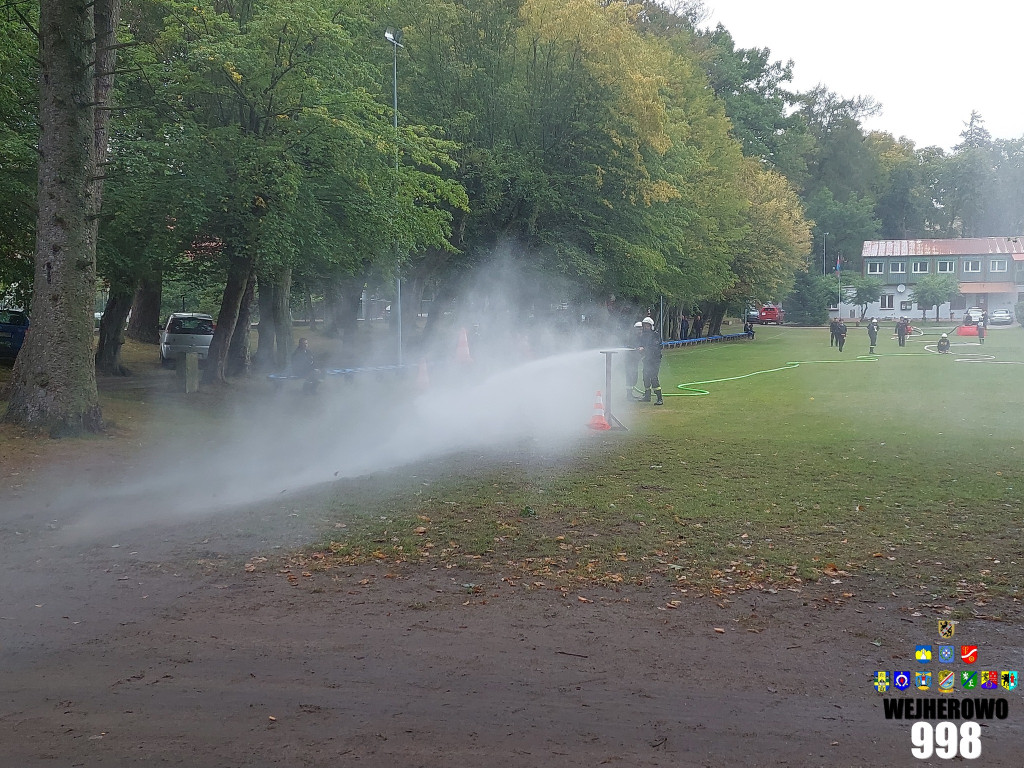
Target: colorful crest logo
{"points": [[968, 654], [989, 679], [1008, 679], [923, 680], [901, 680], [923, 653], [946, 628], [881, 682], [944, 680], [946, 654], [969, 679]]}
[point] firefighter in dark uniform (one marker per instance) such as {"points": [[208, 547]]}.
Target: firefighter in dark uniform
{"points": [[650, 346], [841, 334], [872, 335]]}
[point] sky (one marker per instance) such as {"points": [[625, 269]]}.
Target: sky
{"points": [[928, 63]]}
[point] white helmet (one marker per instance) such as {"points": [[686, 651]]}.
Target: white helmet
{"points": [[648, 321], [944, 336], [638, 324]]}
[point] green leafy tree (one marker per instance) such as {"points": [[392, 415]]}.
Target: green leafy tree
{"points": [[902, 197], [273, 113], [933, 290], [19, 101], [809, 300], [758, 101], [861, 291]]}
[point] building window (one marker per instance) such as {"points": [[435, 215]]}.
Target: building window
{"points": [[946, 267], [920, 268], [887, 299], [997, 265], [905, 306], [897, 267], [972, 265], [876, 268]]}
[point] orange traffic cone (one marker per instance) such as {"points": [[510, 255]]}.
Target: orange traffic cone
{"points": [[598, 421], [423, 377], [462, 351]]}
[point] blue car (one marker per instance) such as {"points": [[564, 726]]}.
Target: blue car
{"points": [[13, 325]]}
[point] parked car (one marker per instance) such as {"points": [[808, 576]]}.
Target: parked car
{"points": [[186, 332], [1000, 317], [973, 315], [769, 313], [753, 315], [13, 325]]}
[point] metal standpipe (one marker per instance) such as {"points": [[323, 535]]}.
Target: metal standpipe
{"points": [[613, 422]]}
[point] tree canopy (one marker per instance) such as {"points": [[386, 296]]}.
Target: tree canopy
{"points": [[614, 149]]}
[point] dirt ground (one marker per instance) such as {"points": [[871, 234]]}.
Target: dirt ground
{"points": [[157, 647]]}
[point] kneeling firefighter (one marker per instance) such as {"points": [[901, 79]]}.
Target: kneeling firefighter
{"points": [[650, 346]]}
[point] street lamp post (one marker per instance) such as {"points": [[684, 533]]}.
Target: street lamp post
{"points": [[394, 36]]}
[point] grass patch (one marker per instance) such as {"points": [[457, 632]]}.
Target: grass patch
{"points": [[906, 465], [800, 463]]}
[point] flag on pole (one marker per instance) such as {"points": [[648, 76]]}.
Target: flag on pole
{"points": [[839, 264]]}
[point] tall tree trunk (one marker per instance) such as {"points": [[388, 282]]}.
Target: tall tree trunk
{"points": [[54, 379], [412, 300], [238, 350], [442, 296], [350, 291], [111, 337], [310, 314], [283, 316], [144, 321], [714, 316], [332, 307], [239, 269], [266, 332]]}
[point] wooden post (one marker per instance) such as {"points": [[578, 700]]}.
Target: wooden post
{"points": [[188, 372]]}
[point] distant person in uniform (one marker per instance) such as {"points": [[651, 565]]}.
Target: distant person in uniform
{"points": [[943, 346], [901, 331], [684, 327], [650, 345], [981, 331], [872, 335], [841, 334], [303, 365], [832, 340]]}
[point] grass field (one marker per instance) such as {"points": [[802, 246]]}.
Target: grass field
{"points": [[800, 463]]}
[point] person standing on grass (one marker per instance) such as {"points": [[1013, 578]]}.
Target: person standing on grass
{"points": [[901, 331], [841, 334], [303, 365], [832, 332], [981, 331], [872, 335], [650, 345]]}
